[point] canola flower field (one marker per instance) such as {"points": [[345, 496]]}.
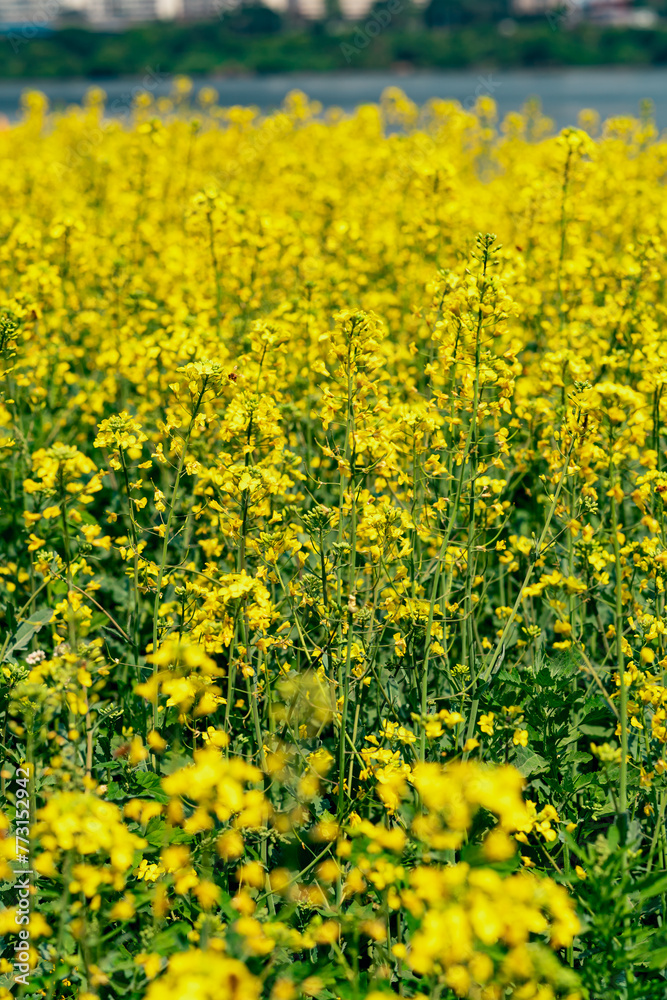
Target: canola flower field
{"points": [[332, 598]]}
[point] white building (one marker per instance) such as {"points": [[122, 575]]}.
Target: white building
{"points": [[116, 13], [47, 12], [199, 9], [120, 10], [37, 12]]}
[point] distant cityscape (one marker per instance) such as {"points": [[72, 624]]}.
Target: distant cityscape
{"points": [[103, 12], [110, 14], [618, 12], [116, 14]]}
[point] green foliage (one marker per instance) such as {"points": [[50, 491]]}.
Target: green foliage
{"points": [[255, 40]]}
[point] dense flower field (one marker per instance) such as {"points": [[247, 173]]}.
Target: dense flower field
{"points": [[334, 554]]}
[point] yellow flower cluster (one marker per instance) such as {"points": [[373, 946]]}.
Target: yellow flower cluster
{"points": [[7, 849], [184, 673], [83, 823], [453, 794], [217, 786], [206, 976], [334, 498], [461, 910]]}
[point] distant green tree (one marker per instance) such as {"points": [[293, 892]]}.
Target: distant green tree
{"points": [[449, 13], [255, 19]]}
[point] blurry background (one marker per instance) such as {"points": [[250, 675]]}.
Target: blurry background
{"points": [[608, 54]]}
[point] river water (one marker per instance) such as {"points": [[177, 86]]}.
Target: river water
{"points": [[563, 93]]}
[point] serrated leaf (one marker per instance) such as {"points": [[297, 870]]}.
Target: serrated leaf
{"points": [[151, 783], [155, 836], [582, 780], [577, 757], [528, 762]]}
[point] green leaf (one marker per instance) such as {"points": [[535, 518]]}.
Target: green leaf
{"points": [[654, 885], [27, 629], [613, 836], [528, 762], [589, 730], [152, 783], [581, 780], [155, 833], [577, 757], [171, 939], [658, 959], [98, 621]]}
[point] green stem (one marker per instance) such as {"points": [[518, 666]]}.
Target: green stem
{"points": [[344, 672], [62, 907], [165, 544], [620, 665], [348, 656], [471, 439], [499, 649], [134, 628]]}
